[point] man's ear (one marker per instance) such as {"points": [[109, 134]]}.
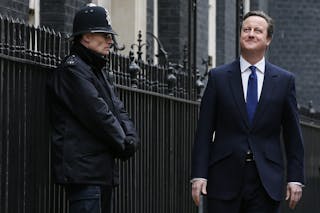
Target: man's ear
{"points": [[86, 37], [269, 39]]}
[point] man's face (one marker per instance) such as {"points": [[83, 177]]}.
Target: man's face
{"points": [[98, 42], [254, 35]]}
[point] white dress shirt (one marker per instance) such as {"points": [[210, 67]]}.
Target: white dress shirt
{"points": [[245, 73]]}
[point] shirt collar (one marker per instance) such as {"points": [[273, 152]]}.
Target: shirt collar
{"points": [[244, 65]]}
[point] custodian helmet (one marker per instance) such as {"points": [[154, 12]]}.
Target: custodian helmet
{"points": [[92, 19]]}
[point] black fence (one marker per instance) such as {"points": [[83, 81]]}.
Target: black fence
{"points": [[163, 103], [310, 122], [161, 100]]}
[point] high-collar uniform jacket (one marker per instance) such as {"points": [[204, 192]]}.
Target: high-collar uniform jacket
{"points": [[224, 134], [89, 122]]}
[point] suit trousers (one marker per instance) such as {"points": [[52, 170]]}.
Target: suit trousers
{"points": [[89, 198], [253, 197]]}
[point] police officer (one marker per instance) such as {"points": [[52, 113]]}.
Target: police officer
{"points": [[90, 127]]}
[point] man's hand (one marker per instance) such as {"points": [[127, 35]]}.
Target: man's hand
{"points": [[294, 193], [198, 187]]}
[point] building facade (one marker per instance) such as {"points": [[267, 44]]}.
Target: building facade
{"points": [[205, 30]]}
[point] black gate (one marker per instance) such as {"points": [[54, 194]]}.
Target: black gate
{"points": [[310, 123]]}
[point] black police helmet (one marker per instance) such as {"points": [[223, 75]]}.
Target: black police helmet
{"points": [[92, 19]]}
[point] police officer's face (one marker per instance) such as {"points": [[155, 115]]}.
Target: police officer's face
{"points": [[98, 42]]}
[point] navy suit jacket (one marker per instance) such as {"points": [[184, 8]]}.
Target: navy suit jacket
{"points": [[221, 158]]}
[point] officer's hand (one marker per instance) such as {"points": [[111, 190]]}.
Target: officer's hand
{"points": [[131, 146]]}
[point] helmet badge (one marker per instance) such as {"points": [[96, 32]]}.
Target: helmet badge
{"points": [[91, 5], [108, 17]]}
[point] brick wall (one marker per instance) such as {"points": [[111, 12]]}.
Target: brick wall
{"points": [[184, 27], [226, 32], [174, 28], [202, 35], [18, 9], [169, 27], [295, 45], [58, 14]]}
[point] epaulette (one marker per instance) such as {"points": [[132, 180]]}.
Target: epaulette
{"points": [[71, 60]]}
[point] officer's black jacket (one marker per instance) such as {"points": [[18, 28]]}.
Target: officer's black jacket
{"points": [[89, 123]]}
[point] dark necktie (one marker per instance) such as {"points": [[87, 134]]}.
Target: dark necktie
{"points": [[252, 93]]}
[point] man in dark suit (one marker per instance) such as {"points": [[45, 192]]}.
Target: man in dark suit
{"points": [[246, 108]]}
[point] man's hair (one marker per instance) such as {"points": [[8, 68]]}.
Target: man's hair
{"points": [[266, 17]]}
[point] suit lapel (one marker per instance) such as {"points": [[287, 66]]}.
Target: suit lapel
{"points": [[269, 82], [235, 81]]}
